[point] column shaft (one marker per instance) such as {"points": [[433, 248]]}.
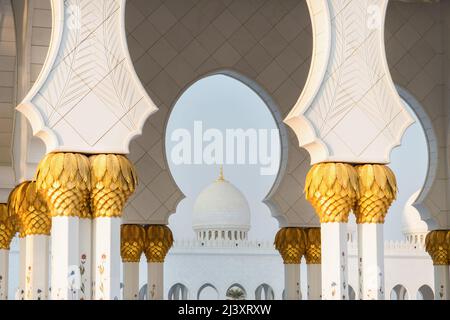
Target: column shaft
{"points": [[37, 268], [371, 261], [4, 270], [107, 258], [292, 282], [441, 282], [334, 261], [314, 281], [65, 253], [155, 283], [131, 280], [85, 225], [20, 294]]}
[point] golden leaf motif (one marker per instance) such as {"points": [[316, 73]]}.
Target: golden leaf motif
{"points": [[332, 190], [158, 241], [378, 189], [64, 179], [113, 180], [313, 252], [291, 243], [7, 227], [132, 242], [30, 210], [437, 244]]}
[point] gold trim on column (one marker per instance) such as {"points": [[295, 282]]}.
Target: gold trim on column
{"points": [[437, 244], [14, 200], [332, 189], [158, 241], [113, 180], [31, 209], [65, 181], [132, 242], [313, 252], [290, 242], [7, 228], [377, 191]]}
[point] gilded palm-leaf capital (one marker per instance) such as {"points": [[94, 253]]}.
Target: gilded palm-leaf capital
{"points": [[158, 241], [132, 242], [290, 242]]}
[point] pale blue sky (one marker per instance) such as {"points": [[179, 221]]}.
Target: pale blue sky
{"points": [[222, 102]]}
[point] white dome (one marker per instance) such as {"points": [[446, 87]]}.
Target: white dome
{"points": [[221, 206], [411, 219]]}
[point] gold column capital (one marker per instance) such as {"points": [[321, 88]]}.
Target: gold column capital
{"points": [[132, 242], [377, 191], [7, 228], [158, 241], [30, 209], [332, 189], [313, 254], [437, 244], [64, 180], [290, 242], [113, 180]]}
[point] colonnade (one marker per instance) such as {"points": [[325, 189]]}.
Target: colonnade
{"points": [[154, 241], [335, 189], [68, 220], [294, 243], [73, 211]]}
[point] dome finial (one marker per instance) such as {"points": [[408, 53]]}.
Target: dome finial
{"points": [[221, 176]]}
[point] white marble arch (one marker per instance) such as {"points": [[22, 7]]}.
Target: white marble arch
{"points": [[213, 293], [302, 214], [260, 56], [178, 291], [264, 292], [425, 293], [423, 204], [399, 292], [237, 286]]}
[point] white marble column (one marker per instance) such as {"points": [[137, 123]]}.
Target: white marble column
{"points": [[131, 280], [334, 261], [292, 282], [313, 259], [107, 258], [441, 282], [155, 282], [158, 241], [65, 253], [314, 281], [4, 270], [20, 293], [437, 244], [85, 228], [37, 268], [132, 243], [371, 261]]}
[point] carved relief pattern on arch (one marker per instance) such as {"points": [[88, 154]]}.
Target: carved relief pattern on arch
{"points": [[356, 93], [87, 66]]}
